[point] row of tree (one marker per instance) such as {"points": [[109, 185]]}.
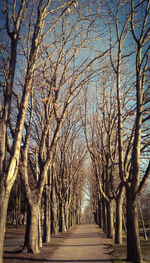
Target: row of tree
{"points": [[117, 128], [40, 80], [54, 57]]}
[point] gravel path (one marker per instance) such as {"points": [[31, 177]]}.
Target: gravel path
{"points": [[84, 245]]}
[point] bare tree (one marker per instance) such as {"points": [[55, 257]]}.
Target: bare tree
{"points": [[102, 147], [129, 157], [59, 79], [13, 15], [70, 175], [135, 187], [8, 170]]}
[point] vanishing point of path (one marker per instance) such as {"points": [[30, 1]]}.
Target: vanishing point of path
{"points": [[83, 245]]}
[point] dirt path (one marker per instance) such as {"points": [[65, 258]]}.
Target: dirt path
{"points": [[84, 245]]}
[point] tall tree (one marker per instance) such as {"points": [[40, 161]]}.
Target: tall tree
{"points": [[58, 81], [9, 169], [14, 14], [135, 187], [129, 157]]}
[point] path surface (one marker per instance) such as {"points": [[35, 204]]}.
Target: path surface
{"points": [[83, 245]]}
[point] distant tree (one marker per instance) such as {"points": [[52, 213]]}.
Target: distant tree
{"points": [[16, 207], [101, 142], [145, 205]]}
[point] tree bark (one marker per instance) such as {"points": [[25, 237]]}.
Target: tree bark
{"points": [[133, 240], [67, 216], [110, 222], [4, 197], [119, 216], [100, 221], [7, 180], [47, 216], [31, 243], [104, 215], [54, 216], [62, 225]]}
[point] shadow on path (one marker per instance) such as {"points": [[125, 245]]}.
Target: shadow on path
{"points": [[61, 261], [84, 244], [85, 235]]}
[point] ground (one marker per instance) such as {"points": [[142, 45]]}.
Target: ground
{"points": [[83, 241], [14, 255]]}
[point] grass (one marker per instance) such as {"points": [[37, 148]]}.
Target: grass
{"points": [[119, 252]]}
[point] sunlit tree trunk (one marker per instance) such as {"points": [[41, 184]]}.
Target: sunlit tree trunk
{"points": [[31, 243], [4, 197], [67, 215], [73, 215], [7, 179], [54, 212], [70, 217], [119, 217], [62, 223]]}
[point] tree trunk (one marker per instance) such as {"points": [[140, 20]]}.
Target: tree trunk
{"points": [[4, 197], [72, 216], [100, 214], [54, 223], [142, 219], [31, 243], [95, 216], [104, 215], [18, 202], [133, 241], [77, 217], [77, 209], [74, 210], [67, 216], [62, 226], [119, 217], [47, 216], [54, 216], [110, 222]]}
